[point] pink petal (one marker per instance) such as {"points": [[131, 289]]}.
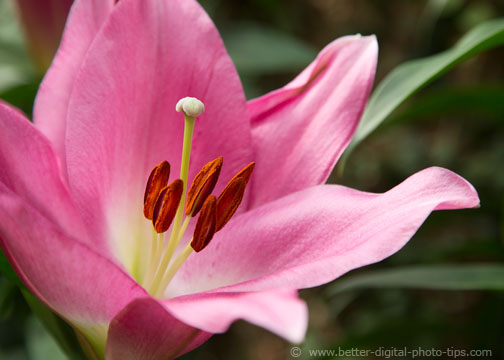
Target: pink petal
{"points": [[31, 170], [67, 275], [313, 236], [122, 118], [300, 130], [50, 109], [280, 311], [146, 330]]}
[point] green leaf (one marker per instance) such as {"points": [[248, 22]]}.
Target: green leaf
{"points": [[411, 76], [7, 291], [22, 96], [15, 65], [481, 100], [61, 332], [258, 50], [437, 277], [40, 345], [7, 271]]}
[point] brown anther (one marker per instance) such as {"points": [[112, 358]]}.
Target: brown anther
{"points": [[205, 226], [245, 173], [202, 185], [166, 206], [229, 200], [232, 195], [158, 179]]}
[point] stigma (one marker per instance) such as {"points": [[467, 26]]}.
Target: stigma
{"points": [[165, 205], [190, 106]]}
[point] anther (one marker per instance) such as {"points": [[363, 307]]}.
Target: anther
{"points": [[202, 186], [232, 195], [166, 206], [157, 180], [245, 173], [228, 201], [190, 106], [205, 226]]}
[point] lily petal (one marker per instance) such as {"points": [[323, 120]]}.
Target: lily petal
{"points": [[122, 119], [88, 290], [30, 169], [146, 330], [50, 109], [280, 311], [308, 123], [314, 236]]}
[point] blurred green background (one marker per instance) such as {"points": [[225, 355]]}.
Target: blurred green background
{"points": [[452, 294]]}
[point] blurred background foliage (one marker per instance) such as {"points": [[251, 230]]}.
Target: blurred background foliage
{"points": [[445, 288]]}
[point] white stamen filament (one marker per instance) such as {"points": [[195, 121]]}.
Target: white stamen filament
{"points": [[154, 257], [175, 266]]}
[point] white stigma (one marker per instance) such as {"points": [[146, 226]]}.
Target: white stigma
{"points": [[190, 106]]}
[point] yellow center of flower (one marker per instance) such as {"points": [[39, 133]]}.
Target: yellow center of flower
{"points": [[166, 205]]}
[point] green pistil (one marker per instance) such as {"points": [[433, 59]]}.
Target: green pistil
{"points": [[175, 237]]}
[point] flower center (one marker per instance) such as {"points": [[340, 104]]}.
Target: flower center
{"points": [[166, 205]]}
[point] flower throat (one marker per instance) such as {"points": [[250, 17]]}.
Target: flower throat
{"points": [[166, 205]]}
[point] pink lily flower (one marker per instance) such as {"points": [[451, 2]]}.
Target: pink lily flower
{"points": [[43, 22], [71, 187]]}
